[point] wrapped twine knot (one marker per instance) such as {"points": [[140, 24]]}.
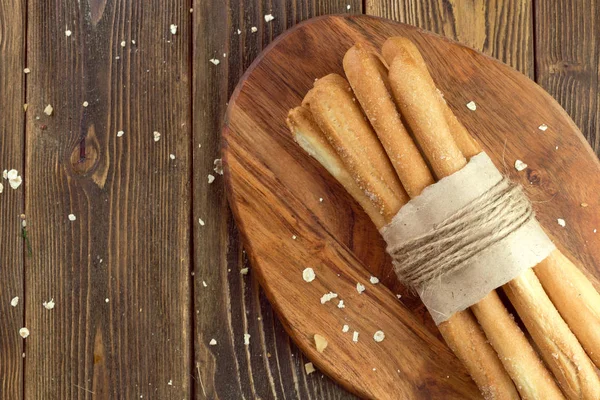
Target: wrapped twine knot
{"points": [[486, 220]]}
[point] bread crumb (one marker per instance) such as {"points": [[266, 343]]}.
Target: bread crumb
{"points": [[584, 205], [355, 337], [379, 336], [170, 383], [308, 275], [14, 180], [218, 163], [320, 199], [555, 355], [341, 304], [173, 29], [26, 70], [204, 284], [561, 222], [399, 296], [1, 188], [120, 133], [200, 221], [520, 165], [215, 61], [48, 305], [107, 300], [14, 301], [254, 29], [172, 156], [212, 342], [348, 6], [309, 368], [211, 178], [68, 33], [48, 110], [269, 18], [374, 280], [345, 328], [327, 297], [85, 104], [360, 288], [320, 343], [543, 127], [246, 339], [472, 106], [72, 217], [294, 237], [24, 332], [123, 43], [156, 135], [244, 271]]}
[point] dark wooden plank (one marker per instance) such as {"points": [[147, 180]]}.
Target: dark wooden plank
{"points": [[12, 140], [499, 28], [231, 304], [120, 273], [568, 59]]}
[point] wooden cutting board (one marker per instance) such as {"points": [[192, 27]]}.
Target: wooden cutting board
{"points": [[293, 215]]}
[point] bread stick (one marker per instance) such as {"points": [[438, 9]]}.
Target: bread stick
{"points": [[517, 355], [575, 298], [401, 45], [337, 114], [308, 135], [417, 99], [531, 377], [560, 349], [368, 78]]}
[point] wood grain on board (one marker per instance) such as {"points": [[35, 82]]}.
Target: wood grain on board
{"points": [[12, 140], [568, 59], [231, 304], [119, 272], [286, 227]]}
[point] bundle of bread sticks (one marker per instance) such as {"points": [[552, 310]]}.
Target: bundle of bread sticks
{"points": [[385, 132]]}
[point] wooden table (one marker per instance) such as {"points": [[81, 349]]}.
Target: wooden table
{"points": [[148, 272]]}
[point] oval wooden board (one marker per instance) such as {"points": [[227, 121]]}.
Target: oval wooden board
{"points": [[275, 189]]}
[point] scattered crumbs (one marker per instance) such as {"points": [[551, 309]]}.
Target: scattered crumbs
{"points": [[341, 304], [374, 280], [68, 33], [49, 305], [211, 178], [520, 165], [543, 127], [345, 328], [584, 205], [156, 135], [120, 133], [379, 336], [107, 300], [327, 297], [320, 199], [13, 178], [26, 70], [14, 301], [355, 337], [170, 383], [244, 271], [48, 110], [239, 32], [309, 368], [72, 217], [246, 339], [399, 296], [348, 6], [308, 275], [212, 342], [172, 156], [269, 18], [204, 284], [561, 222], [24, 332], [200, 221], [215, 61], [294, 237], [320, 343], [472, 106], [360, 287], [254, 29], [218, 163], [85, 104], [173, 29], [123, 43]]}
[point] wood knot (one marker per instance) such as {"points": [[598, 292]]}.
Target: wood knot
{"points": [[85, 157], [533, 177]]}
